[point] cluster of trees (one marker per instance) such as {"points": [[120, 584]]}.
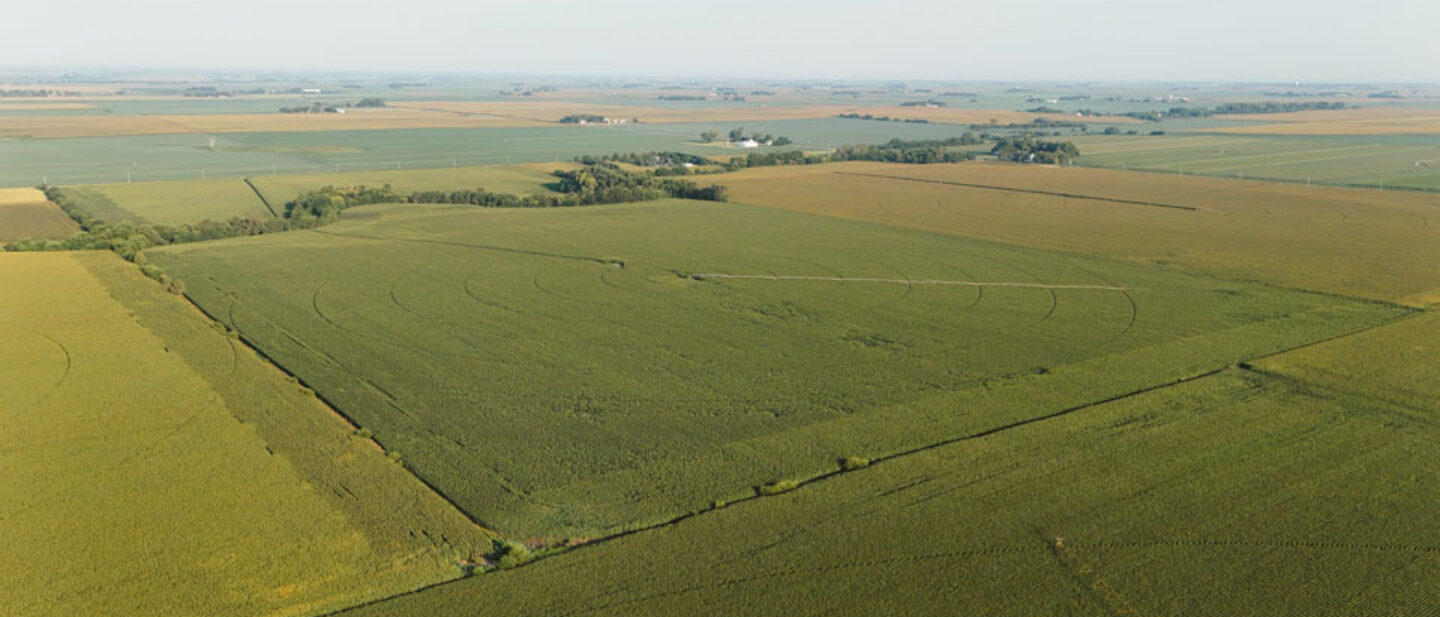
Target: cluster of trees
{"points": [[321, 107], [923, 104], [738, 134], [605, 184], [1028, 149], [664, 163], [679, 97], [1038, 123], [883, 118]]}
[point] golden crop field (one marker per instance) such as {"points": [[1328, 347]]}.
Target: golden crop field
{"points": [[355, 120], [1362, 121], [25, 213], [44, 106], [166, 454], [1361, 243]]}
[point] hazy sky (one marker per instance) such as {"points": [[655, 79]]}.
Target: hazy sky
{"points": [[1226, 40]]}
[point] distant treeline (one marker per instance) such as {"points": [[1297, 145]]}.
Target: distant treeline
{"points": [[883, 118], [1038, 123], [17, 93], [923, 104], [319, 107], [1269, 107], [594, 184]]}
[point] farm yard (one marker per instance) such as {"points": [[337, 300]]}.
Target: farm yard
{"points": [[588, 346]]}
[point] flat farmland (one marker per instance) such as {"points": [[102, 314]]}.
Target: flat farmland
{"points": [[1362, 121], [514, 179], [1234, 494], [1397, 162], [176, 202], [574, 372], [25, 213], [107, 160], [1361, 243], [190, 477], [552, 111], [110, 125]]}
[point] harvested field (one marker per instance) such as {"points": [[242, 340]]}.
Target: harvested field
{"points": [[25, 213], [1361, 243]]}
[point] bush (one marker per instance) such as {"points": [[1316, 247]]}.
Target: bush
{"points": [[851, 463], [777, 487], [506, 554]]}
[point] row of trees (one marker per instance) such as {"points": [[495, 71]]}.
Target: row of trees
{"points": [[1269, 107], [594, 184], [883, 118], [127, 239]]}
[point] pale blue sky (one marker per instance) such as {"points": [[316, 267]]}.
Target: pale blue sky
{"points": [[1223, 40]]}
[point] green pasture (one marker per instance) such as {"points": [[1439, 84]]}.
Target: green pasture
{"points": [[572, 372]]}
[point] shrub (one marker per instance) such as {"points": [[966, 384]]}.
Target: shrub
{"points": [[775, 488], [507, 554], [851, 463]]}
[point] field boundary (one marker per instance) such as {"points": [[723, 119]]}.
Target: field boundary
{"points": [[338, 413], [842, 279], [1129, 202], [256, 189]]}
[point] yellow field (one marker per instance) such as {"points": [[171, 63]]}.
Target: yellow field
{"points": [[1363, 121], [25, 213], [1368, 244], [41, 106], [135, 485], [355, 120]]}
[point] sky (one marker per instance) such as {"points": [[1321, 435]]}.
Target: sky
{"points": [[1067, 40]]}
